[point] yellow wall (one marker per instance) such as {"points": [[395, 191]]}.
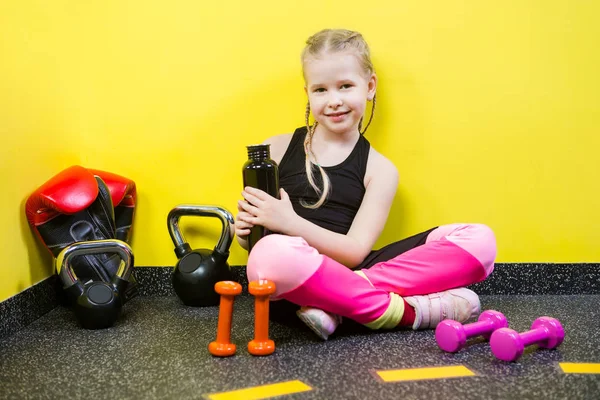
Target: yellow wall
{"points": [[489, 110]]}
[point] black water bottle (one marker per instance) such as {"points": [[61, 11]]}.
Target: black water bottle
{"points": [[262, 173]]}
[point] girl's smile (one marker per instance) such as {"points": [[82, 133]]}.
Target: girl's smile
{"points": [[338, 116]]}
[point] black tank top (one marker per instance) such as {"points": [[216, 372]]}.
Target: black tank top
{"points": [[347, 184]]}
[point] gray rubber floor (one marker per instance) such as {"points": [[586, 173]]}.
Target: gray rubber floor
{"points": [[158, 350]]}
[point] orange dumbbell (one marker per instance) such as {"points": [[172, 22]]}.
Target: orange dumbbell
{"points": [[261, 345], [222, 347]]}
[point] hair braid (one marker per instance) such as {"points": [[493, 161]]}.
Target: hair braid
{"points": [[370, 117], [322, 193]]}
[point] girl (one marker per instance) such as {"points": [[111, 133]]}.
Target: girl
{"points": [[336, 193]]}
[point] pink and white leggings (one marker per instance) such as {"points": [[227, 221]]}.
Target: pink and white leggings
{"points": [[449, 256]]}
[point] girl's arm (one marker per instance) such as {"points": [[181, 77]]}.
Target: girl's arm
{"points": [[381, 182], [242, 228], [351, 249], [243, 241]]}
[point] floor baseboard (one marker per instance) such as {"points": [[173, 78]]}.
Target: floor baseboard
{"points": [[507, 279]]}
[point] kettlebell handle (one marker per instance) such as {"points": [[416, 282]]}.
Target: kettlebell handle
{"points": [[201, 211], [63, 260]]}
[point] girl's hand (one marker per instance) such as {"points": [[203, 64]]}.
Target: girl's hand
{"points": [[242, 227], [265, 210]]}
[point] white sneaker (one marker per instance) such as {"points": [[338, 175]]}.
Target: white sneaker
{"points": [[457, 304], [320, 322]]}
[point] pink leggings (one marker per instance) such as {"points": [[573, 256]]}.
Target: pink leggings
{"points": [[452, 256]]}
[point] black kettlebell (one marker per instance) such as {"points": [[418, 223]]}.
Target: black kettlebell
{"points": [[97, 304], [197, 271]]}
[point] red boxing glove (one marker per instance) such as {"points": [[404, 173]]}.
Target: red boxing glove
{"points": [[60, 211], [71, 191]]}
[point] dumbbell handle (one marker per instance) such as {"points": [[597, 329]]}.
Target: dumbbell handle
{"points": [[534, 336], [478, 328], [261, 320], [261, 292], [224, 321]]}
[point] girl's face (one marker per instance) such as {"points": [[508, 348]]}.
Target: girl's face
{"points": [[338, 89]]}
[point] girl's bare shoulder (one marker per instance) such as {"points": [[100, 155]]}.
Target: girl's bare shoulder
{"points": [[379, 165], [279, 144]]}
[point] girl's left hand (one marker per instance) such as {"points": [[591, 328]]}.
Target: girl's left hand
{"points": [[275, 215]]}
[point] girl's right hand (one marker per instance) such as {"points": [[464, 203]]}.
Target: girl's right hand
{"points": [[242, 227]]}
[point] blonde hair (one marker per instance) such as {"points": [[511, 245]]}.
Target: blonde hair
{"points": [[332, 40]]}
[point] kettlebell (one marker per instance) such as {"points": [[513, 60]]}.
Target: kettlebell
{"points": [[97, 304], [197, 271]]}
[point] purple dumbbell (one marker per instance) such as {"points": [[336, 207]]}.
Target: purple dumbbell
{"points": [[452, 336], [508, 345]]}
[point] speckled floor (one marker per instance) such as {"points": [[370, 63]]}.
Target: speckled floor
{"points": [[158, 350]]}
